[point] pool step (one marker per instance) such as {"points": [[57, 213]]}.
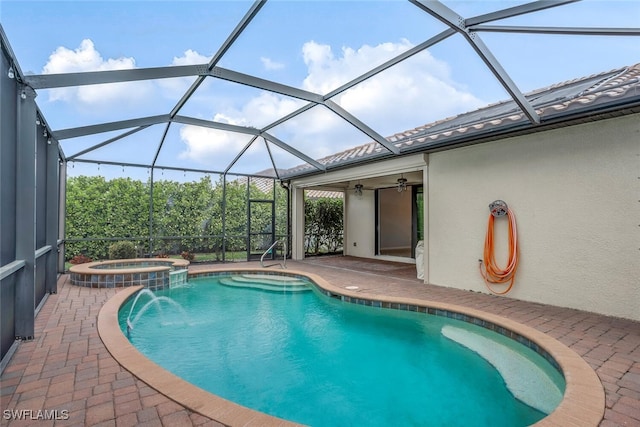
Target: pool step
{"points": [[267, 282], [524, 378]]}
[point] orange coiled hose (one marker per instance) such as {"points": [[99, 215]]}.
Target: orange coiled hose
{"points": [[489, 269]]}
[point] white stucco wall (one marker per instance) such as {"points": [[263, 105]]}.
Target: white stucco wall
{"points": [[575, 194]]}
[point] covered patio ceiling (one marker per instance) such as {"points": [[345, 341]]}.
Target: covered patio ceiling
{"points": [[182, 116]]}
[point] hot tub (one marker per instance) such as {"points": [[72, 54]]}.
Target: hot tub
{"points": [[152, 273]]}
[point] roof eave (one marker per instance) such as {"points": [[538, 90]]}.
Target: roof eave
{"points": [[550, 120]]}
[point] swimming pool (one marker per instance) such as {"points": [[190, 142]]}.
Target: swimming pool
{"points": [[310, 357]]}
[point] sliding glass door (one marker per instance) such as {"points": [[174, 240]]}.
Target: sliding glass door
{"points": [[399, 221]]}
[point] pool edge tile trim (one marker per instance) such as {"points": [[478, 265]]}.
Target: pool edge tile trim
{"points": [[583, 402]]}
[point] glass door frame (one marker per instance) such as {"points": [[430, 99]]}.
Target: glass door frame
{"points": [[251, 234], [417, 189]]}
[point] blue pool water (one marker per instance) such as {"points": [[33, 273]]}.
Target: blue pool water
{"points": [[305, 357]]}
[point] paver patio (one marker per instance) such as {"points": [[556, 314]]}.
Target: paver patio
{"points": [[67, 371]]}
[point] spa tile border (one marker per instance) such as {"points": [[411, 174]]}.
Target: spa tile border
{"points": [[152, 273], [582, 405]]}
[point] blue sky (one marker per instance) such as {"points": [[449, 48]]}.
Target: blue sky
{"points": [[313, 45]]}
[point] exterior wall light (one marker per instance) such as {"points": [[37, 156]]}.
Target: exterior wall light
{"points": [[358, 189], [11, 74]]}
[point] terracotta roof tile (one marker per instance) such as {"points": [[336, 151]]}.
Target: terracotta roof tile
{"points": [[573, 96]]}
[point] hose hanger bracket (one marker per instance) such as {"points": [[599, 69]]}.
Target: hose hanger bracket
{"points": [[498, 208]]}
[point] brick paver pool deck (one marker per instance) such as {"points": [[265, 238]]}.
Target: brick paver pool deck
{"points": [[67, 371]]}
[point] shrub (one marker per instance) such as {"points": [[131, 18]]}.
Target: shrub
{"points": [[80, 259], [122, 250], [188, 255], [323, 225]]}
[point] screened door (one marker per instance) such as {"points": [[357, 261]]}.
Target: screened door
{"points": [[261, 228]]}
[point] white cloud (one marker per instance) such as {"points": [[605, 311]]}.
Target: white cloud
{"points": [[190, 57], [326, 72], [415, 92], [177, 86], [87, 58], [203, 144], [270, 64], [319, 133], [84, 58], [269, 107]]}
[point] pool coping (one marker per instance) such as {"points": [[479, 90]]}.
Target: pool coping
{"points": [[583, 403], [89, 267]]}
